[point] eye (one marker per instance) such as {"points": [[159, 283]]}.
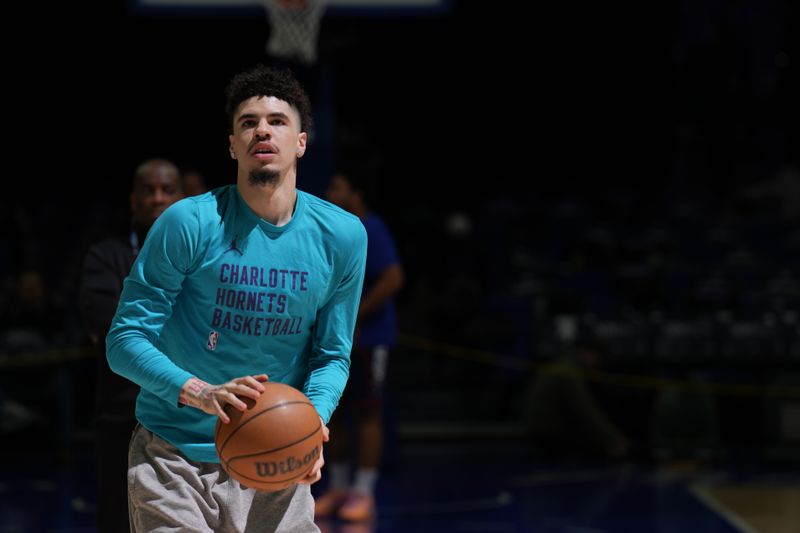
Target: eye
{"points": [[277, 122], [248, 123]]}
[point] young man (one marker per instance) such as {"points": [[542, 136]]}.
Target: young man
{"points": [[376, 336], [247, 281], [156, 186]]}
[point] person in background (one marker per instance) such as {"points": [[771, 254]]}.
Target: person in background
{"points": [[194, 183], [375, 338], [156, 186], [561, 414]]}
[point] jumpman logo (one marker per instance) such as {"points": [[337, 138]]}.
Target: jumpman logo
{"points": [[234, 247]]}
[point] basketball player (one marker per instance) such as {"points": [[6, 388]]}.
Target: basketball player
{"points": [[246, 281], [375, 337], [156, 186]]}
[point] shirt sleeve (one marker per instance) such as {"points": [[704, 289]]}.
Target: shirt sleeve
{"points": [[381, 250], [148, 295], [329, 364]]}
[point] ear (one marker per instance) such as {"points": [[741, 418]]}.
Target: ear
{"points": [[230, 147], [301, 144]]}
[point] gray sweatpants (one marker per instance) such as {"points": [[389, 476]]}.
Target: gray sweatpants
{"points": [[169, 493]]}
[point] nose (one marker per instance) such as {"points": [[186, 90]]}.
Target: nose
{"points": [[159, 196], [262, 129]]}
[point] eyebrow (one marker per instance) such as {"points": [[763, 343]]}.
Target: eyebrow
{"points": [[276, 114]]}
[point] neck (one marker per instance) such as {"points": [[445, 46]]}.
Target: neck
{"points": [[272, 202], [359, 209]]}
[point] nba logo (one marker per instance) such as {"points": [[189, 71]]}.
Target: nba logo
{"points": [[212, 340]]}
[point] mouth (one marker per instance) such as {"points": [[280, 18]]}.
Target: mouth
{"points": [[264, 151]]}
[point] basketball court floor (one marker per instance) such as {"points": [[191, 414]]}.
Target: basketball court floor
{"points": [[483, 487]]}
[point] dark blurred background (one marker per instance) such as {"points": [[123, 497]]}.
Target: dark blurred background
{"points": [[553, 174]]}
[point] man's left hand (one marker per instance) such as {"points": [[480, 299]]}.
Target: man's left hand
{"points": [[315, 474]]}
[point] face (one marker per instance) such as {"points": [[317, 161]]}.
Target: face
{"points": [[266, 136], [157, 188], [339, 192]]}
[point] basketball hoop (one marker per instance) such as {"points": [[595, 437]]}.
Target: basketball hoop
{"points": [[294, 28]]}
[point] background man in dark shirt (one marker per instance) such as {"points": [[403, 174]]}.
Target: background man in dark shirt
{"points": [[156, 186]]}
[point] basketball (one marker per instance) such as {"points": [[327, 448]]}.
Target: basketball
{"points": [[272, 444]]}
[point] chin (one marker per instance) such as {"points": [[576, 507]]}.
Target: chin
{"points": [[264, 176], [263, 167]]}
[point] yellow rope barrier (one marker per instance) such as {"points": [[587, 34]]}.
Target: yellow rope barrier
{"points": [[48, 357], [480, 356], [626, 380]]}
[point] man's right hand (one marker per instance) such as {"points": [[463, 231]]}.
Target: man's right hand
{"points": [[213, 398]]}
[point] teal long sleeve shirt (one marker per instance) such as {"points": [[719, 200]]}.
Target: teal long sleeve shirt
{"points": [[218, 293]]}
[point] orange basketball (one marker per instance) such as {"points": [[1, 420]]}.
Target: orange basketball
{"points": [[274, 443]]}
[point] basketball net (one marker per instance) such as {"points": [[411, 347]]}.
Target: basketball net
{"points": [[294, 28]]}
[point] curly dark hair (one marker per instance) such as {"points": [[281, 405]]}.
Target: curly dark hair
{"points": [[264, 81]]}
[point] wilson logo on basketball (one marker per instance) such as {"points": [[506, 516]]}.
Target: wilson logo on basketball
{"points": [[274, 468]]}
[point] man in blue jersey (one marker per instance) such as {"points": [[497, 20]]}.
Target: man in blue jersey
{"points": [[247, 281], [375, 337]]}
